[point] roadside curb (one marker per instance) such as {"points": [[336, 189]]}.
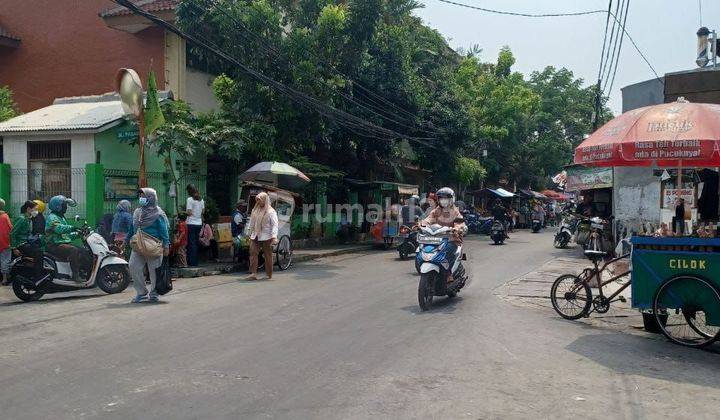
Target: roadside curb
{"points": [[300, 257]]}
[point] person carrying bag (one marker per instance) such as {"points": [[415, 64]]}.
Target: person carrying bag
{"points": [[150, 241]]}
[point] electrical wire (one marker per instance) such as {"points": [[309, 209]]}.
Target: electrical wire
{"points": [[378, 103], [700, 10], [617, 59], [589, 12], [273, 53], [612, 44], [602, 52], [543, 15], [351, 122]]}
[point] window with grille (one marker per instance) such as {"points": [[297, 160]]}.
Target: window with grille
{"points": [[49, 172]]}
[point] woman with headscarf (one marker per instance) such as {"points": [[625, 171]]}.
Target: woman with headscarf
{"points": [[151, 219], [263, 234], [38, 225], [122, 223], [24, 241]]}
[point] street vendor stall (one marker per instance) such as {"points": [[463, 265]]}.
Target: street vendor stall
{"points": [[676, 278]]}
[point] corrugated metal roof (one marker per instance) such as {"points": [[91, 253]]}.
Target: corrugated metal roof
{"points": [[146, 5], [68, 114]]}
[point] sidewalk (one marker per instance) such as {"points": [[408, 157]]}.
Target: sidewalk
{"points": [[300, 255], [533, 290]]}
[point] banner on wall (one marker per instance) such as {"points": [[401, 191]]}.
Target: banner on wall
{"points": [[581, 178], [670, 195]]}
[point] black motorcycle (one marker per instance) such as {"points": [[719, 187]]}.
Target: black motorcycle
{"points": [[409, 244], [497, 232]]}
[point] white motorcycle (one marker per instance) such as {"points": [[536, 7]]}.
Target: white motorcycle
{"points": [[434, 262], [101, 267]]}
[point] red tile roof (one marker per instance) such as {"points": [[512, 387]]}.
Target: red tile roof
{"points": [[5, 34], [146, 5]]}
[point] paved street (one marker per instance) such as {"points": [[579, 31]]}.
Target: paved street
{"points": [[338, 338]]}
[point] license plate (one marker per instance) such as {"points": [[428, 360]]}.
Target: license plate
{"points": [[429, 239]]}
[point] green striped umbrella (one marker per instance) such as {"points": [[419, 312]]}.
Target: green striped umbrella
{"points": [[278, 174]]}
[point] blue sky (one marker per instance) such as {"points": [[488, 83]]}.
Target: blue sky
{"points": [[663, 29]]}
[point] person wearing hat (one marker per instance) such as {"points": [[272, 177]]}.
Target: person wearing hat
{"points": [[60, 234], [5, 252]]}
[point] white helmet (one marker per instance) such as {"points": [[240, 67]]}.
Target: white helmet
{"points": [[446, 193]]}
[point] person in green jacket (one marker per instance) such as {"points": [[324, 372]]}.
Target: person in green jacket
{"points": [[22, 238], [59, 234]]}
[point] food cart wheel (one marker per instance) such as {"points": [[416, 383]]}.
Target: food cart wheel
{"points": [[284, 253], [571, 297], [685, 300]]}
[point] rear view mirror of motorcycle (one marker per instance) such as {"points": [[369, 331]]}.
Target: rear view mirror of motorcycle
{"points": [[78, 218]]}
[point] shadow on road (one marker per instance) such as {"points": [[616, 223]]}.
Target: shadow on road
{"points": [[442, 305], [50, 298], [659, 359]]}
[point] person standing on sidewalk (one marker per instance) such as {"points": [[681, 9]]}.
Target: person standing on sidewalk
{"points": [[122, 223], [195, 207], [151, 219], [5, 252], [263, 234]]}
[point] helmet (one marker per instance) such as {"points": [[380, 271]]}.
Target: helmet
{"points": [[60, 203], [40, 205], [446, 192]]}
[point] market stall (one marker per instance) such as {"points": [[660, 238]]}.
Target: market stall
{"points": [[675, 274]]}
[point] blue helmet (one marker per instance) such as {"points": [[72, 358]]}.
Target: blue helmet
{"points": [[60, 203]]}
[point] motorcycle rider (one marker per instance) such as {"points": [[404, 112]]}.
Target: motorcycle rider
{"points": [[447, 214], [59, 235], [411, 210], [499, 213]]}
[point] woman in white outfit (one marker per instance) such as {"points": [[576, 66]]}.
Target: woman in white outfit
{"points": [[263, 234]]}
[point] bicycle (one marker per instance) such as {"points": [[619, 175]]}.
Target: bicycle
{"points": [[571, 295]]}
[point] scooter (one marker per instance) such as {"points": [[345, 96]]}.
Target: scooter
{"points": [[101, 267], [568, 227], [435, 265], [497, 233], [536, 225], [409, 244]]}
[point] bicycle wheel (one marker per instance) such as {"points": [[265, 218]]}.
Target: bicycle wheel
{"points": [[689, 303], [571, 297]]}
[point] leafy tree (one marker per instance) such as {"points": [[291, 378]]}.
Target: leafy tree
{"points": [[8, 109]]}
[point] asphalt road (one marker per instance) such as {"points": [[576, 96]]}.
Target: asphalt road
{"points": [[341, 338]]}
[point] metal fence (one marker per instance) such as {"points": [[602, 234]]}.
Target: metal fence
{"points": [[122, 185], [43, 184]]}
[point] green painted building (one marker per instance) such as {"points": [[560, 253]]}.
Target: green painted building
{"points": [[83, 147]]}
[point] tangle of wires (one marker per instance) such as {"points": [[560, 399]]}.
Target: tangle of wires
{"points": [[348, 121]]}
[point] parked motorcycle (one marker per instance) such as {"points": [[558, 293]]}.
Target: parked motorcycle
{"points": [[101, 267], [568, 227], [435, 264], [600, 236], [497, 233], [409, 244]]}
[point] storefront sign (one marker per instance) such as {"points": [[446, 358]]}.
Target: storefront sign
{"points": [[120, 187], [579, 179], [668, 149], [670, 196]]}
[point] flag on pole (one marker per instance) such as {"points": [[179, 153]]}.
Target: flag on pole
{"points": [[154, 117]]}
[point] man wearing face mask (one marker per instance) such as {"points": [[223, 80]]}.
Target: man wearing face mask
{"points": [[59, 234], [447, 214]]}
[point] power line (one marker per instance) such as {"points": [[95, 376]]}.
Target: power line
{"points": [[345, 119], [700, 10], [589, 12], [602, 53], [379, 105], [612, 44], [274, 53], [622, 37], [543, 15]]}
